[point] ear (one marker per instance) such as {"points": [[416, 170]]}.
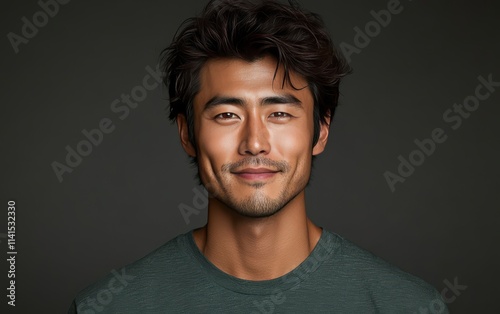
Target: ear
{"points": [[182, 126], [323, 136]]}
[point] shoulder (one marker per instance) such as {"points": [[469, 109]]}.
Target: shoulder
{"points": [[388, 286], [127, 286], [374, 269]]}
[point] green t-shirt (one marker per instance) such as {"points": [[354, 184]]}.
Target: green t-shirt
{"points": [[337, 277]]}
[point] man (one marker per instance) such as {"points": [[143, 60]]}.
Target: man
{"points": [[253, 88]]}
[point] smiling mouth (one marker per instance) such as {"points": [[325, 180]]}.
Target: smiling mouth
{"points": [[256, 173]]}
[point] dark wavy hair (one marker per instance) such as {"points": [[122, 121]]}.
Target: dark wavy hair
{"points": [[250, 30]]}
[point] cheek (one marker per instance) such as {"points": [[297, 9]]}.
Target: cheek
{"points": [[293, 142], [215, 146]]}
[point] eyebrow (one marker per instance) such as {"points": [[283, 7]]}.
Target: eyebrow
{"points": [[286, 99]]}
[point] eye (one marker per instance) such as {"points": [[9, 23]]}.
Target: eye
{"points": [[281, 115], [225, 116]]}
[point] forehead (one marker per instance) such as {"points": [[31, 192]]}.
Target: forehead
{"points": [[248, 80]]}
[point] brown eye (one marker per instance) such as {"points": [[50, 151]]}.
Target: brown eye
{"points": [[225, 115], [281, 115]]}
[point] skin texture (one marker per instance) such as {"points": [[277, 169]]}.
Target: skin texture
{"points": [[257, 226]]}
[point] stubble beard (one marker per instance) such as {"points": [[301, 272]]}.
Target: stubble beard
{"points": [[258, 204]]}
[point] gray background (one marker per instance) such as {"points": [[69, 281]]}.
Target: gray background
{"points": [[122, 201]]}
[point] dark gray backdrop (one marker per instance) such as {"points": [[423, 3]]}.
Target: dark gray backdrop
{"points": [[122, 200]]}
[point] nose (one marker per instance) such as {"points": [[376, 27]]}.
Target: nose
{"points": [[255, 138]]}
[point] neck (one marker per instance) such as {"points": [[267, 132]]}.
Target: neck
{"points": [[257, 248]]}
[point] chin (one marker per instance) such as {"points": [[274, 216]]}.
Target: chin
{"points": [[259, 207], [256, 213]]}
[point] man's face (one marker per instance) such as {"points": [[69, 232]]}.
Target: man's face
{"points": [[254, 137]]}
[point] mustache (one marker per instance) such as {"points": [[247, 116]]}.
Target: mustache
{"points": [[256, 162]]}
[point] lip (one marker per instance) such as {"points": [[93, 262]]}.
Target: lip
{"points": [[255, 170], [255, 173]]}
